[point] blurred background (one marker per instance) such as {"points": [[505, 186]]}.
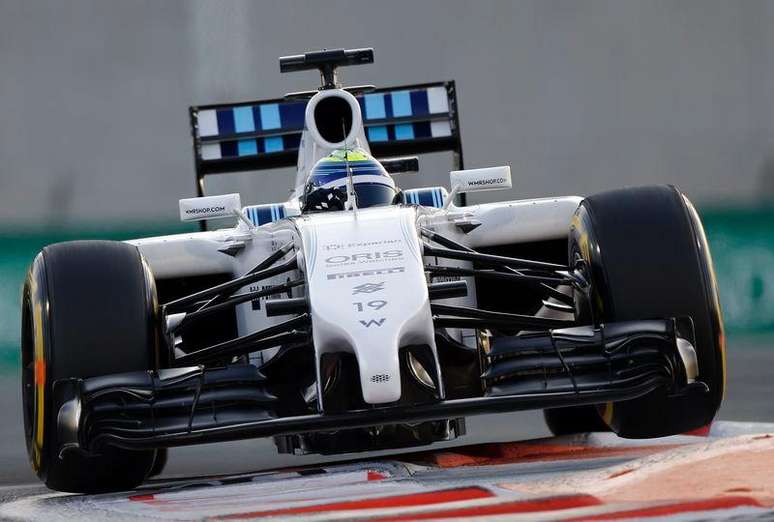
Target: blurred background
{"points": [[577, 97]]}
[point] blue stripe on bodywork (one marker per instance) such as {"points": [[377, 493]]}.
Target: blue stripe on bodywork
{"points": [[388, 107], [401, 104], [422, 129], [404, 131], [419, 104], [257, 117], [325, 178], [427, 197], [228, 149], [264, 215], [247, 147], [273, 144], [225, 121], [377, 133], [243, 119], [292, 115], [270, 117], [374, 106], [291, 141]]}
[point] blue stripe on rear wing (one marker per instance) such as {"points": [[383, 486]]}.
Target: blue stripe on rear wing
{"points": [[257, 135]]}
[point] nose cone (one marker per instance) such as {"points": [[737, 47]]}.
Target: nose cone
{"points": [[367, 291]]}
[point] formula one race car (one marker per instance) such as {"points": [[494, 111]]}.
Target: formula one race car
{"points": [[357, 316]]}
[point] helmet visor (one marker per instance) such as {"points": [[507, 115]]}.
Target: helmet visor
{"points": [[374, 195], [319, 199]]}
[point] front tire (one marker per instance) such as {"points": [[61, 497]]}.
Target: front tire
{"points": [[645, 255], [88, 309]]}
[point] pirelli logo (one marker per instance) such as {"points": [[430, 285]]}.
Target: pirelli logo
{"points": [[359, 273]]}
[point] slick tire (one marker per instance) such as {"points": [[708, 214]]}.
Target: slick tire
{"points": [[88, 308], [646, 256]]}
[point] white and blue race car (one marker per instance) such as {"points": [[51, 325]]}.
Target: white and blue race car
{"points": [[358, 316]]}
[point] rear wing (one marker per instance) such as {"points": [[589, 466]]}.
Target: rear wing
{"points": [[266, 134]]}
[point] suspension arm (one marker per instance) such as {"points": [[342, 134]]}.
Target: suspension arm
{"points": [[235, 300], [232, 286], [282, 333], [266, 263], [490, 259], [493, 274], [500, 318], [453, 245]]}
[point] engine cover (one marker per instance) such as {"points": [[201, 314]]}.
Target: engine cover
{"points": [[367, 292]]}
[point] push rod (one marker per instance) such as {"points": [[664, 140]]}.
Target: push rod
{"points": [[493, 274], [491, 259], [233, 285], [259, 340], [500, 317]]}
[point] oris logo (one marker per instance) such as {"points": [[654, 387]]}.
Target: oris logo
{"points": [[366, 256]]}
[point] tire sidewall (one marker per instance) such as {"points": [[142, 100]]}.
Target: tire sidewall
{"points": [[36, 392], [655, 414]]}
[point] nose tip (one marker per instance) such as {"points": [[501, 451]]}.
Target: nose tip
{"points": [[381, 382]]}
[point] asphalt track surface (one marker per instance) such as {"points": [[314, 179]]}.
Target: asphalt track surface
{"points": [[749, 398]]}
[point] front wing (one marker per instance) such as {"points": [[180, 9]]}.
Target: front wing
{"points": [[194, 405]]}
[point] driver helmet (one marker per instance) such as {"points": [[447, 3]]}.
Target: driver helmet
{"points": [[326, 188]]}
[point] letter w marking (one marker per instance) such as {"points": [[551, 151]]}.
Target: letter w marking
{"points": [[377, 322]]}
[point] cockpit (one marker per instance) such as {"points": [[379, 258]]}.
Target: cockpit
{"points": [[328, 185]]}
